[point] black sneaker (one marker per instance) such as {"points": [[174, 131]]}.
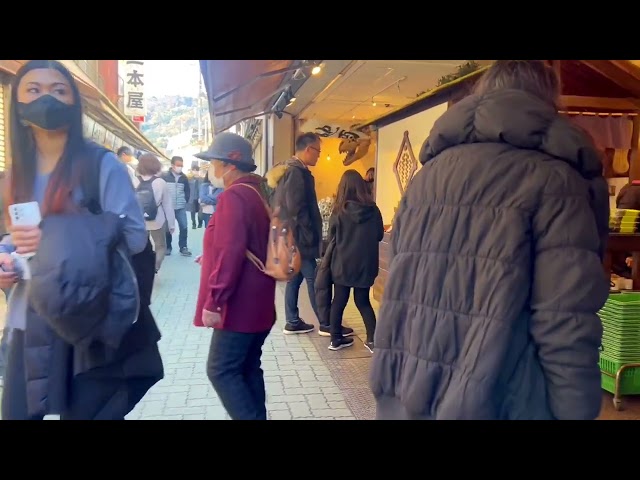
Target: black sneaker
{"points": [[324, 331], [369, 346], [185, 252], [168, 252], [341, 343], [300, 327]]}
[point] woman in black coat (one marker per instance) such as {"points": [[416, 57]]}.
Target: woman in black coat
{"points": [[356, 225]]}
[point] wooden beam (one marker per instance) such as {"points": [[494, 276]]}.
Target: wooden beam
{"points": [[601, 103], [613, 71], [11, 66]]}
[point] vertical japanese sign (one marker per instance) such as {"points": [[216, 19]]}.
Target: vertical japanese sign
{"points": [[135, 103]]}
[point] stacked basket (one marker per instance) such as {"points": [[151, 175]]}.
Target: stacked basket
{"points": [[625, 221], [621, 342]]}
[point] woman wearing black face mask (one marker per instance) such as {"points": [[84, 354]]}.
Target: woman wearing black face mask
{"points": [[47, 373]]}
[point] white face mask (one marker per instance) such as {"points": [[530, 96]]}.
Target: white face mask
{"points": [[177, 169], [217, 182]]}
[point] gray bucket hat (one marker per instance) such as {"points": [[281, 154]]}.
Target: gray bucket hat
{"points": [[231, 148]]}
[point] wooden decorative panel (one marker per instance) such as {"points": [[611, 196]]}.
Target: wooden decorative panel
{"points": [[406, 164]]}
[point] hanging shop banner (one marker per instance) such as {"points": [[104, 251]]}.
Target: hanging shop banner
{"points": [[135, 103]]}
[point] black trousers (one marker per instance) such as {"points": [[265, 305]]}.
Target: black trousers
{"points": [[92, 396], [234, 369], [341, 295]]}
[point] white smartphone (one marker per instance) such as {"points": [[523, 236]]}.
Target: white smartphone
{"points": [[25, 214]]}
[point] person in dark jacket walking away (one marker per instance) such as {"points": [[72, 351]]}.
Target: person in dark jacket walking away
{"points": [[295, 195], [356, 224], [496, 277], [178, 185], [100, 376], [235, 298]]}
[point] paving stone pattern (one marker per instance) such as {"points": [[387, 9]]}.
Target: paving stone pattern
{"points": [[299, 384]]}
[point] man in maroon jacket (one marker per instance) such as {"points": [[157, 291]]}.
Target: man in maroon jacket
{"points": [[235, 298]]}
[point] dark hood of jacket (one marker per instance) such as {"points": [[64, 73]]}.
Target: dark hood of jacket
{"points": [[502, 233], [359, 212], [516, 118]]}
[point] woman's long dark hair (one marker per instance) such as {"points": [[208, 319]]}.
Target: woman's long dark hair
{"points": [[352, 188], [65, 177]]}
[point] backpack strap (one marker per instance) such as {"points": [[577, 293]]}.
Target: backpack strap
{"points": [[90, 183], [264, 203], [249, 254]]}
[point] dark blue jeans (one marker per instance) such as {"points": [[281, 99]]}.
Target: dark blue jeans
{"points": [[181, 220], [292, 290], [234, 369]]}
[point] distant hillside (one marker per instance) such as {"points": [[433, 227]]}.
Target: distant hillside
{"points": [[168, 116]]}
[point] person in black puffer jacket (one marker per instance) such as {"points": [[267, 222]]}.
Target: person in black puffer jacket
{"points": [[496, 277], [355, 231]]}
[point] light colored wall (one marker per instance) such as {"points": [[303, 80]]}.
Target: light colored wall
{"points": [[389, 141]]}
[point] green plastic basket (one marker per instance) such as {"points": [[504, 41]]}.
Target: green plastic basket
{"points": [[630, 381]]}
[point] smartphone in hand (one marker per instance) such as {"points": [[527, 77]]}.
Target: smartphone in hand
{"points": [[25, 214]]}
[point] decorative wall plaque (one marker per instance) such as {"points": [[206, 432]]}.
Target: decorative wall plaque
{"points": [[405, 165]]}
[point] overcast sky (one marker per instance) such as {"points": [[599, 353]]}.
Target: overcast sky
{"points": [[172, 77]]}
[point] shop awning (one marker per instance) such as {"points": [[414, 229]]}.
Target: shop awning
{"points": [[242, 89], [99, 107]]}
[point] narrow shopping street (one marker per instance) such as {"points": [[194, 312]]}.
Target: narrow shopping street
{"points": [[304, 379]]}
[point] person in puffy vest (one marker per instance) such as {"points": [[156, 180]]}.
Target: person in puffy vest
{"points": [[178, 185]]}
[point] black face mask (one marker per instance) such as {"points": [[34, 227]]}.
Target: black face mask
{"points": [[47, 112]]}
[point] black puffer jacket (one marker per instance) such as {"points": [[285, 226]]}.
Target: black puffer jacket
{"points": [[358, 231], [489, 310], [85, 302]]}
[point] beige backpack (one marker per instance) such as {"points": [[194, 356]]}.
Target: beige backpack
{"points": [[283, 258]]}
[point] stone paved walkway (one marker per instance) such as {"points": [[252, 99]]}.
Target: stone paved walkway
{"points": [[299, 385]]}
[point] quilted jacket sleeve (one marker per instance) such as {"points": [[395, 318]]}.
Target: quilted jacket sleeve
{"points": [[569, 287]]}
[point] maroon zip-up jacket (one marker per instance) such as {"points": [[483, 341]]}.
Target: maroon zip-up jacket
{"points": [[229, 282]]}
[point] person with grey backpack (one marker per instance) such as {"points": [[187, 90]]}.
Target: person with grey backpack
{"points": [[156, 203]]}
